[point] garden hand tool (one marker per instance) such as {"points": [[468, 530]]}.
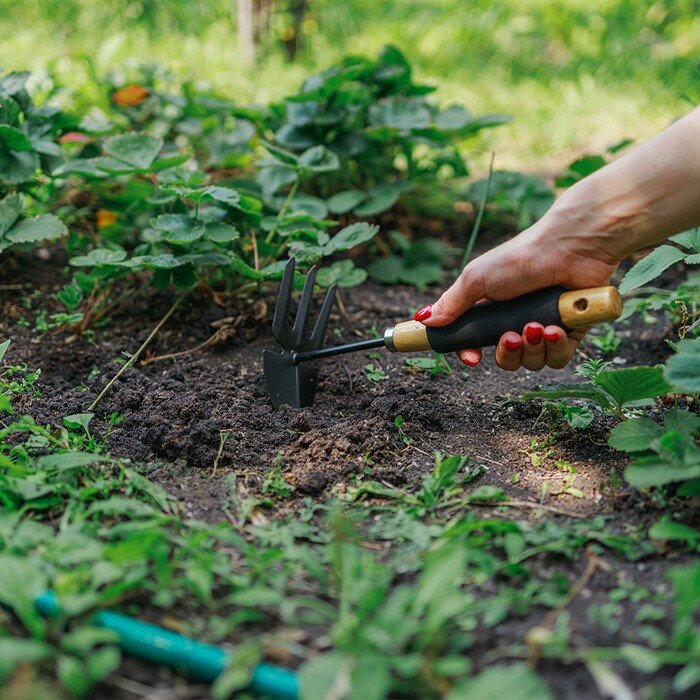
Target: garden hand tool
{"points": [[292, 380]]}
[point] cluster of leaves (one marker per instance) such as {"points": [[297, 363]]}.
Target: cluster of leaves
{"points": [[417, 262], [28, 148], [141, 187], [613, 391], [386, 136], [524, 198]]}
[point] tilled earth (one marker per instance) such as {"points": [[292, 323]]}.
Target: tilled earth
{"points": [[202, 416]]}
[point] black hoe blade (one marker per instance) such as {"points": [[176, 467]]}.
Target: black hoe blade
{"points": [[289, 382]]}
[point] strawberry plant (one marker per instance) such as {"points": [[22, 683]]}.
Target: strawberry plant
{"points": [[613, 391], [661, 455], [384, 133], [28, 152], [418, 262]]}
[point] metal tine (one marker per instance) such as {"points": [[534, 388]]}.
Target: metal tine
{"points": [[280, 320], [300, 330], [319, 332]]}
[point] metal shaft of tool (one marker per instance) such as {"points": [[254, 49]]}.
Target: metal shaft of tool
{"points": [[298, 357]]}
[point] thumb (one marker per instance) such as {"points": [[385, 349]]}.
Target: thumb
{"points": [[469, 288]]}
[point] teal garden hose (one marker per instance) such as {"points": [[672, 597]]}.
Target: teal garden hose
{"points": [[203, 661]]}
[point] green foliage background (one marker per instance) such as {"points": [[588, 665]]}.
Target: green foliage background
{"points": [[577, 74]]}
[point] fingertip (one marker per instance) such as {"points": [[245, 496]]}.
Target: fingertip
{"points": [[554, 335], [424, 313], [533, 333], [511, 342], [471, 358]]}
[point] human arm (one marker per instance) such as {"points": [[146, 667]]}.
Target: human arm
{"points": [[649, 194]]}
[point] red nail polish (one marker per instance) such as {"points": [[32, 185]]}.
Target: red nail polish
{"points": [[533, 334], [471, 361], [513, 345], [423, 313], [551, 336]]}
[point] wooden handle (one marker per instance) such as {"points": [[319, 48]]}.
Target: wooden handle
{"points": [[484, 324], [588, 306]]}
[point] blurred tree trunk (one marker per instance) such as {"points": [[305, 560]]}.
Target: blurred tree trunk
{"points": [[298, 9], [246, 35], [253, 18]]}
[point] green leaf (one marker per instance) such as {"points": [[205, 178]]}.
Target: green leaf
{"points": [[453, 118], [655, 471], [45, 227], [498, 682], [14, 139], [634, 383], [78, 420], [21, 580], [341, 272], [381, 198], [63, 461], [322, 673], [641, 658], [219, 232], [683, 369], [4, 346], [386, 270], [72, 674], [319, 159], [239, 670], [136, 150], [14, 82], [688, 677], [650, 267], [634, 435], [422, 276], [343, 202], [272, 178], [178, 228], [400, 113], [17, 166], [669, 530], [222, 194], [688, 239], [682, 421], [10, 209], [583, 390], [98, 257], [351, 236], [16, 651], [280, 153]]}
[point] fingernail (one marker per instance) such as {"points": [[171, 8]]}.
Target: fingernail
{"points": [[533, 333], [551, 336], [423, 313], [513, 345], [471, 361]]}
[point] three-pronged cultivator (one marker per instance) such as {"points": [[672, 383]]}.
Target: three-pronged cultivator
{"points": [[292, 380]]}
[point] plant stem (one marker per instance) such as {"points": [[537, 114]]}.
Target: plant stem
{"points": [[287, 202], [479, 216], [137, 354]]}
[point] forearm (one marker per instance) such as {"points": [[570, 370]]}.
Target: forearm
{"points": [[646, 196]]}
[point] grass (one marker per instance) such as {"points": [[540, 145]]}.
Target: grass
{"points": [[577, 76]]}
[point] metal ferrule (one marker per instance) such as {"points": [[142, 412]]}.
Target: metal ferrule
{"points": [[389, 339]]}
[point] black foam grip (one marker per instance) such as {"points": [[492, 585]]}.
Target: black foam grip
{"points": [[485, 323]]}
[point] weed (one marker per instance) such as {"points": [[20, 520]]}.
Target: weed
{"points": [[403, 435], [605, 339], [374, 372], [432, 365]]}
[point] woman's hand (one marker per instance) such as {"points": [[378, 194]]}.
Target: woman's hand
{"points": [[549, 253], [644, 197]]}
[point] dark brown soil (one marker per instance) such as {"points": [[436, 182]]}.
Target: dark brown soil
{"points": [[205, 415]]}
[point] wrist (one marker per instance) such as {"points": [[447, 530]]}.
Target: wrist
{"points": [[592, 219]]}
